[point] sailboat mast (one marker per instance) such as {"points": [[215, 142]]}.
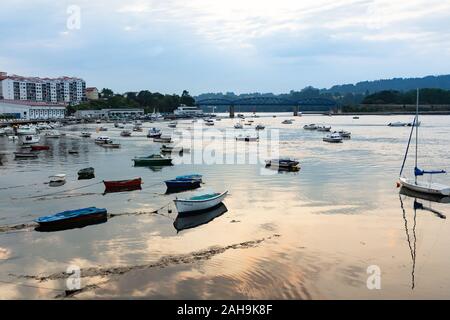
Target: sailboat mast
{"points": [[416, 123]]}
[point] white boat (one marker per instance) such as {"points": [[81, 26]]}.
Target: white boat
{"points": [[58, 178], [52, 134], [287, 121], [200, 202], [324, 128], [238, 126], [26, 130], [345, 134], [414, 184], [2, 132], [172, 124], [246, 138], [209, 122], [259, 127], [398, 124], [311, 126], [85, 134], [154, 133], [333, 138], [125, 133], [103, 140], [30, 139], [162, 139]]}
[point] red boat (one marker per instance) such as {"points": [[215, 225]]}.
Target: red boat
{"points": [[38, 148], [123, 184]]}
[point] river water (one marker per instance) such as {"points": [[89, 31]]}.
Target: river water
{"points": [[337, 229]]}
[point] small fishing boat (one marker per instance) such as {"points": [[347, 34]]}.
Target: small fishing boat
{"points": [[163, 139], [311, 126], [324, 128], [120, 184], [287, 121], [344, 134], [260, 127], [73, 151], [154, 133], [241, 116], [182, 184], [110, 145], [154, 159], [125, 133], [85, 134], [52, 134], [209, 122], [199, 203], [246, 138], [39, 148], [283, 163], [30, 139], [172, 124], [193, 176], [58, 178], [333, 138], [70, 217], [414, 184], [26, 130], [25, 155], [86, 171], [355, 117], [238, 126], [397, 124], [170, 149], [103, 140], [102, 129]]}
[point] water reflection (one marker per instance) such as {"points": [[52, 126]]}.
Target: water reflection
{"points": [[411, 236], [121, 189], [188, 221]]}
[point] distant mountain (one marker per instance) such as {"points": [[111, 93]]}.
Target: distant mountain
{"points": [[398, 84]]}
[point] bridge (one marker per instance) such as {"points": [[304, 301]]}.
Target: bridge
{"points": [[268, 101]]}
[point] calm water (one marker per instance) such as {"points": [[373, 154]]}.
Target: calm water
{"points": [[305, 235]]}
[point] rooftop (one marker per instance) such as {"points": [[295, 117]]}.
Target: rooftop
{"points": [[32, 103]]}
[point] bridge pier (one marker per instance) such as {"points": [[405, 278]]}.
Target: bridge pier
{"points": [[231, 111], [295, 111]]}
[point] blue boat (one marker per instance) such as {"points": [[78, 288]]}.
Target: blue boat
{"points": [[72, 217], [174, 185], [189, 177]]}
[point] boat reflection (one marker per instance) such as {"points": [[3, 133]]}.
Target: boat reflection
{"points": [[187, 221], [410, 226], [56, 183], [86, 176], [72, 225]]}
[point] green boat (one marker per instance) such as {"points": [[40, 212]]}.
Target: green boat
{"points": [[154, 159]]}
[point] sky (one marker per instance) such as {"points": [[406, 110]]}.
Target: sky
{"points": [[224, 45]]}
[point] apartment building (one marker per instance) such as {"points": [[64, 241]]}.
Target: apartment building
{"points": [[66, 90]]}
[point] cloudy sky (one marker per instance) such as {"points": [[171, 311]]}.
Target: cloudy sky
{"points": [[225, 45]]}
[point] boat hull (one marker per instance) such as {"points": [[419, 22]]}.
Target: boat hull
{"points": [[133, 183], [179, 185], [430, 188], [197, 206]]}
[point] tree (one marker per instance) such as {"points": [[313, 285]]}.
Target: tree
{"points": [[187, 99], [107, 93]]}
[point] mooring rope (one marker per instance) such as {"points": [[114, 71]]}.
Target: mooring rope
{"points": [[58, 192]]}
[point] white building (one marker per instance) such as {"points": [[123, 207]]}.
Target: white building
{"points": [[185, 111], [32, 110], [56, 90]]}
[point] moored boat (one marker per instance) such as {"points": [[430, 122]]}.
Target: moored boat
{"points": [[58, 178], [311, 126], [86, 171], [413, 184], [199, 203], [324, 128], [163, 139], [120, 184], [85, 134], [154, 133], [30, 139], [287, 121], [72, 217], [154, 159], [333, 138], [345, 134], [39, 148], [175, 184], [25, 155], [284, 163], [260, 127], [238, 126], [52, 134], [125, 133], [103, 140], [246, 138]]}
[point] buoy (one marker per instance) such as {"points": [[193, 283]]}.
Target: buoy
{"points": [[398, 184]]}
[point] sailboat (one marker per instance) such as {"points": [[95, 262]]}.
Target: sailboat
{"points": [[413, 184]]}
